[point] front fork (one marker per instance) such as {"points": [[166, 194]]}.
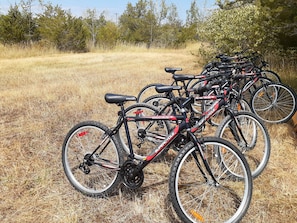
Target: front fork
{"points": [[200, 149]]}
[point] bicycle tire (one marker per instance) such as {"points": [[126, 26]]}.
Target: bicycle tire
{"points": [[198, 106], [274, 103], [218, 116], [145, 135], [196, 199], [247, 93], [91, 179], [273, 76], [257, 147], [147, 91], [161, 101]]}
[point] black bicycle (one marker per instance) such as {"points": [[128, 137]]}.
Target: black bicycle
{"points": [[209, 181], [240, 127]]}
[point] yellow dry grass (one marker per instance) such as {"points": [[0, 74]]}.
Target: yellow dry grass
{"points": [[44, 95]]}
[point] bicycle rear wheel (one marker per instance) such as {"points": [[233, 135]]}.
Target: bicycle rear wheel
{"points": [[274, 103], [93, 175], [218, 116], [247, 90], [274, 77], [145, 135], [147, 91], [196, 197]]}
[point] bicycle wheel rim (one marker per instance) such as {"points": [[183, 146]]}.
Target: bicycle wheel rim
{"points": [[145, 135], [255, 145], [99, 181], [274, 103], [234, 189]]}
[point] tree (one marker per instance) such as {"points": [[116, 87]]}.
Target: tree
{"points": [[108, 35], [193, 22], [15, 26], [237, 29], [32, 34], [172, 34], [93, 23], [73, 37], [60, 29], [231, 4], [193, 16], [137, 23], [151, 23], [283, 17], [161, 12]]}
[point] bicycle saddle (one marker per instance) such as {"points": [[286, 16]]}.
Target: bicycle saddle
{"points": [[167, 88], [172, 70], [118, 98], [182, 77]]}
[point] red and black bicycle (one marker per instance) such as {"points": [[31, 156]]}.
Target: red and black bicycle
{"points": [[209, 181]]}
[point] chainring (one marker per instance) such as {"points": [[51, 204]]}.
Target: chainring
{"points": [[132, 178]]}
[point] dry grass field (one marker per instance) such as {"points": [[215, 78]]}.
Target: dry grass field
{"points": [[43, 95]]}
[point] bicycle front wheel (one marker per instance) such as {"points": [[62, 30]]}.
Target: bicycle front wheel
{"points": [[92, 159], [274, 103], [249, 134], [196, 197]]}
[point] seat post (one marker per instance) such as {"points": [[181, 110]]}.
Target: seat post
{"points": [[123, 113]]}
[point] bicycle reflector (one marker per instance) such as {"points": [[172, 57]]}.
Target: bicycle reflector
{"points": [[138, 112], [82, 134], [238, 107], [196, 215]]}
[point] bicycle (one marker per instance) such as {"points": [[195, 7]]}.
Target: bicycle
{"points": [[242, 128], [184, 80], [94, 163], [271, 102], [252, 81], [253, 60]]}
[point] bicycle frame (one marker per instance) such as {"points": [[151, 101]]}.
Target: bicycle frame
{"points": [[183, 124], [254, 79], [186, 82], [219, 102]]}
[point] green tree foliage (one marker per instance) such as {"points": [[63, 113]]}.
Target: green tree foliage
{"points": [[108, 35], [230, 4], [73, 38], [236, 25], [172, 34], [237, 29], [148, 21], [137, 23], [93, 22], [283, 17], [59, 28], [101, 33], [151, 23], [17, 27], [194, 20]]}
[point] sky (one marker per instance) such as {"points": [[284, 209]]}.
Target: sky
{"points": [[112, 8]]}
